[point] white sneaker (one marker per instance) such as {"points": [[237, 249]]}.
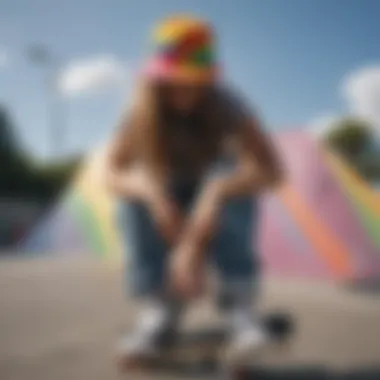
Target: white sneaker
{"points": [[248, 335], [155, 325], [246, 343]]}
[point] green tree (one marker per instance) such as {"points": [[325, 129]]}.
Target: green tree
{"points": [[354, 140], [15, 171], [21, 177], [58, 175], [350, 137], [7, 140]]}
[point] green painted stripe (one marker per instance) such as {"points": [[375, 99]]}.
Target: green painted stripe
{"points": [[368, 219], [90, 223]]}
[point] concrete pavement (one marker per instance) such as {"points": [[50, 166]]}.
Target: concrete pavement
{"points": [[60, 319]]}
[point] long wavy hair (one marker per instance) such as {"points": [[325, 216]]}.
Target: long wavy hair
{"points": [[154, 124]]}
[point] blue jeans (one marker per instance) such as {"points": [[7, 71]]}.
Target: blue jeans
{"points": [[230, 251]]}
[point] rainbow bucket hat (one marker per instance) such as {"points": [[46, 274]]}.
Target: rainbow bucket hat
{"points": [[183, 51]]}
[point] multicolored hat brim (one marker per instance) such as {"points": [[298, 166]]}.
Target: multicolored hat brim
{"points": [[163, 70]]}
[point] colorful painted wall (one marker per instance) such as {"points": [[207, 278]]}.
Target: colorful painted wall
{"points": [[319, 231], [324, 223]]}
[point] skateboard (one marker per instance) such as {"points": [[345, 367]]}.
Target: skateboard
{"points": [[199, 353]]}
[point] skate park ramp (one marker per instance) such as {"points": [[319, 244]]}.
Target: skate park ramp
{"points": [[324, 223]]}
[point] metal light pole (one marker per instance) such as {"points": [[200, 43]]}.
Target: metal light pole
{"points": [[43, 56]]}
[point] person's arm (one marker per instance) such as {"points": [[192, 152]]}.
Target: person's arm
{"points": [[257, 165], [257, 169], [129, 180], [121, 178]]}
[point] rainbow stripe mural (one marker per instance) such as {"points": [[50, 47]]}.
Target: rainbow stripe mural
{"points": [[93, 209], [324, 223], [363, 199]]}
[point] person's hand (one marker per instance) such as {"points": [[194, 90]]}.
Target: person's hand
{"points": [[187, 271]]}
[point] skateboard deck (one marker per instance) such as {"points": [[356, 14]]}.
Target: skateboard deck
{"points": [[199, 352]]}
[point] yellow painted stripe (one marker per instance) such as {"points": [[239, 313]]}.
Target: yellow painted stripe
{"points": [[93, 192], [101, 206]]}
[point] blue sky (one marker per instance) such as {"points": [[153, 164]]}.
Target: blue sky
{"points": [[288, 56]]}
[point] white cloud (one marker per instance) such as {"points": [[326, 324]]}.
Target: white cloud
{"points": [[92, 75], [361, 89], [4, 58]]}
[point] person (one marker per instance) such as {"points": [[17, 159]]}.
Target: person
{"points": [[187, 165]]}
